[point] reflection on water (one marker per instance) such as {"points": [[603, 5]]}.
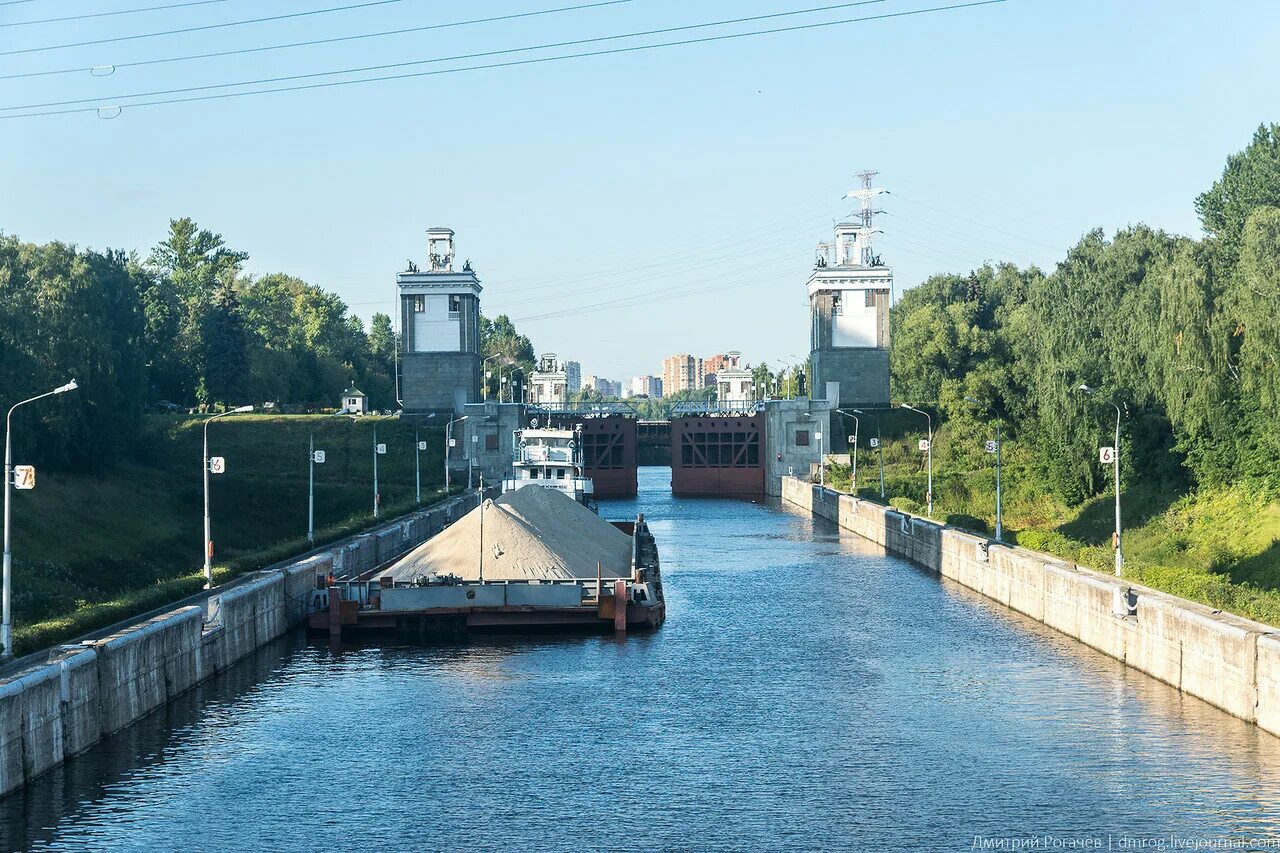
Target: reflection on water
{"points": [[806, 692]]}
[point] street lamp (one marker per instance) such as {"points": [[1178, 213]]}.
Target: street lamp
{"points": [[880, 448], [448, 442], [999, 448], [418, 447], [208, 540], [929, 451], [850, 414], [1119, 552], [6, 630]]}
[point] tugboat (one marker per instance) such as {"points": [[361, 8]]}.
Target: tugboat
{"points": [[550, 458]]}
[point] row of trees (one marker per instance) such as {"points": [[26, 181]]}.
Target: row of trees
{"points": [[1184, 333], [184, 326]]}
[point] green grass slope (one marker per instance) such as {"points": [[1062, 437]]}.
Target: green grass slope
{"points": [[89, 550], [1219, 546]]}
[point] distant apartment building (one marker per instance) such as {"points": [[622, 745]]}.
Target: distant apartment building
{"points": [[548, 385], [573, 376], [602, 386], [713, 364], [682, 372], [643, 386]]}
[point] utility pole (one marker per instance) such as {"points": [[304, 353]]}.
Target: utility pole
{"points": [[375, 472]]}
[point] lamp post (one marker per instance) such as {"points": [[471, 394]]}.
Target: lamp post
{"points": [[929, 451], [849, 414], [487, 376], [6, 629], [448, 442], [418, 447], [999, 449], [1119, 551], [880, 448], [208, 539], [311, 489]]}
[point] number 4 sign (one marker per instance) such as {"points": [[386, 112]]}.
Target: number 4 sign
{"points": [[1106, 455]]}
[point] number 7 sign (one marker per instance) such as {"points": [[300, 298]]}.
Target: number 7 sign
{"points": [[24, 477]]}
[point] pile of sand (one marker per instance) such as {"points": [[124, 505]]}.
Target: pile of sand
{"points": [[529, 534]]}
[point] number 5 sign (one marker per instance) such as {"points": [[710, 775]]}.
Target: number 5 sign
{"points": [[1106, 455]]}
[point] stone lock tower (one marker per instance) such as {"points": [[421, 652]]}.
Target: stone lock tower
{"points": [[439, 331], [850, 292]]}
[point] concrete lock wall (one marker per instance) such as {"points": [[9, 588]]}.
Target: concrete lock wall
{"points": [[54, 710], [1229, 662]]}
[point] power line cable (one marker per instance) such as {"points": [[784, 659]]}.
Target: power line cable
{"points": [[970, 221], [387, 66], [113, 14], [201, 28], [310, 43], [535, 61]]}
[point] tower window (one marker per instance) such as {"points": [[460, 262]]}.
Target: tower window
{"points": [[455, 307], [419, 304], [871, 298], [836, 310]]}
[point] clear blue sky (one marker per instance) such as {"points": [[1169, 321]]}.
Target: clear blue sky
{"points": [[711, 168]]}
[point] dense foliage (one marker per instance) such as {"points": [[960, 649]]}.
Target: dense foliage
{"points": [[1182, 334], [184, 328]]}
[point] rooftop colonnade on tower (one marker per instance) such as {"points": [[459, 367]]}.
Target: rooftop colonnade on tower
{"points": [[850, 294], [439, 331]]}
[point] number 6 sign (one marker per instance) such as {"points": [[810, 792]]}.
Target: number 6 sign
{"points": [[1106, 455]]}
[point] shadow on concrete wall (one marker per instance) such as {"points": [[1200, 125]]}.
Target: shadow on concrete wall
{"points": [[29, 816]]}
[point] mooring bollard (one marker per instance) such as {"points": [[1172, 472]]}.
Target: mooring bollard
{"points": [[335, 614], [620, 606]]}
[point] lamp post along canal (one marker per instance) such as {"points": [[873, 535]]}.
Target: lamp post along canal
{"points": [[928, 448], [1114, 454], [995, 447], [6, 627], [213, 465]]}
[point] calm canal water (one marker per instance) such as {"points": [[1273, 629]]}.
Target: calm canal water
{"points": [[805, 693]]}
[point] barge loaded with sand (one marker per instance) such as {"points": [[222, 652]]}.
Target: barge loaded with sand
{"points": [[534, 557]]}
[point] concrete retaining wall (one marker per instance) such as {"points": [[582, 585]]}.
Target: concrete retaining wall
{"points": [[59, 708], [1227, 661]]}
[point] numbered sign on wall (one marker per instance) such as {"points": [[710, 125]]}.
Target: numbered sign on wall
{"points": [[24, 476], [381, 449], [422, 445], [924, 445], [318, 457], [991, 447], [1106, 455], [217, 465]]}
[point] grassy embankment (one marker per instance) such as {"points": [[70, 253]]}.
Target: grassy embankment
{"points": [[1219, 546], [91, 550]]}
